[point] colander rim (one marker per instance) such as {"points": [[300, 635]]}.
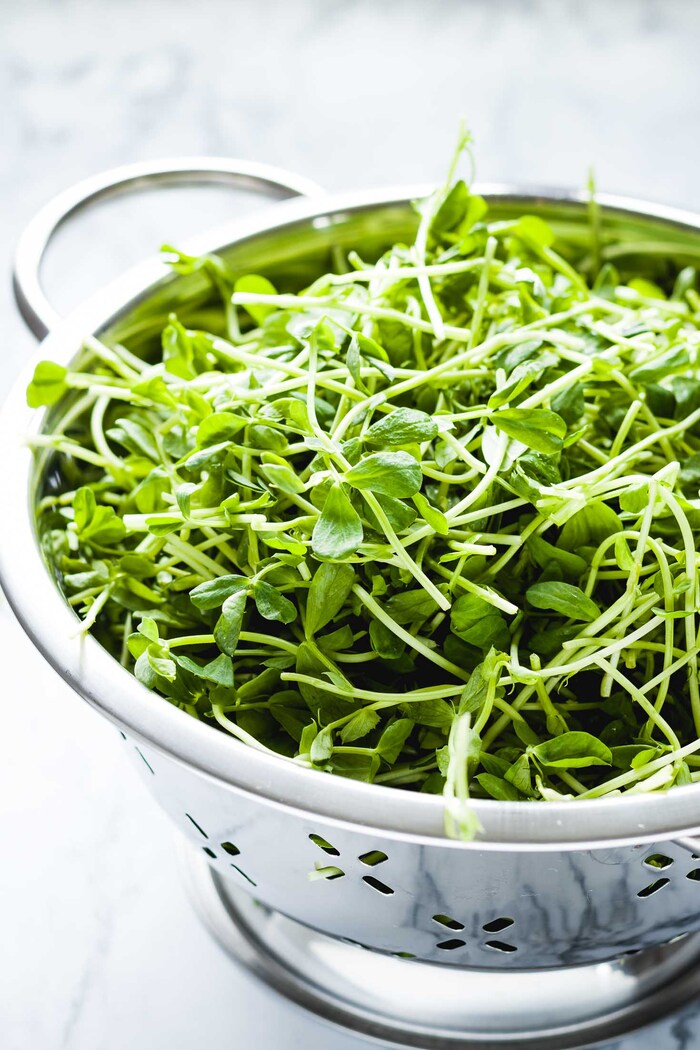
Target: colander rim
{"points": [[95, 675]]}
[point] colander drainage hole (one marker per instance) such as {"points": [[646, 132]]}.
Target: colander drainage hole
{"points": [[501, 946], [374, 856], [694, 875], [497, 925], [325, 846], [451, 945], [658, 861], [451, 924], [380, 887], [145, 761], [243, 874], [200, 830], [228, 847], [653, 887], [327, 872], [209, 852]]}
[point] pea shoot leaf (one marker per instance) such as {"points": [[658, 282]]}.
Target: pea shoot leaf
{"points": [[572, 751], [538, 428], [394, 474], [338, 531], [563, 598]]}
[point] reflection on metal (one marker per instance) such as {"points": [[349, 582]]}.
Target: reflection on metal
{"points": [[507, 910], [412, 1004]]}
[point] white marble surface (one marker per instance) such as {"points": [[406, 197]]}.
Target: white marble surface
{"points": [[99, 949]]}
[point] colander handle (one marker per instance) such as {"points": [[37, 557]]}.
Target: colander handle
{"points": [[35, 308]]}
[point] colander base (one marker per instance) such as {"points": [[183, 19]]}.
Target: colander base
{"points": [[401, 1002]]}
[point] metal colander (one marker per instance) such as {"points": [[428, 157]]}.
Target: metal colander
{"points": [[547, 885]]}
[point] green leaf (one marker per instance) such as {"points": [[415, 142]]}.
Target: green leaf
{"points": [[135, 437], [164, 526], [228, 626], [206, 457], [161, 663], [256, 285], [498, 788], [183, 495], [623, 554], [451, 209], [213, 593], [402, 426], [675, 360], [624, 755], [353, 359], [545, 554], [433, 517], [307, 738], [341, 639], [412, 606], [84, 506], [393, 739], [273, 605], [96, 524], [182, 355], [384, 642], [144, 671], [338, 531], [218, 427], [570, 404], [394, 474], [48, 384], [589, 527], [148, 495], [322, 747], [476, 621], [564, 598], [436, 713], [283, 478], [314, 663], [263, 437], [635, 500], [535, 231], [149, 629], [329, 590], [522, 376], [218, 671], [572, 751], [399, 514], [538, 428], [520, 776], [359, 726]]}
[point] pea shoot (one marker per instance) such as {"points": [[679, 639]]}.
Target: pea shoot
{"points": [[429, 522]]}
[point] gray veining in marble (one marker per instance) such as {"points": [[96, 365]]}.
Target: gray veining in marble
{"points": [[99, 949]]}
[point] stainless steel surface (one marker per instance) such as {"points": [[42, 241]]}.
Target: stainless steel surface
{"points": [[405, 1003], [34, 306], [437, 901], [547, 885]]}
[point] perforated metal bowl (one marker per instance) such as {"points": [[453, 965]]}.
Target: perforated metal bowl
{"points": [[546, 884]]}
